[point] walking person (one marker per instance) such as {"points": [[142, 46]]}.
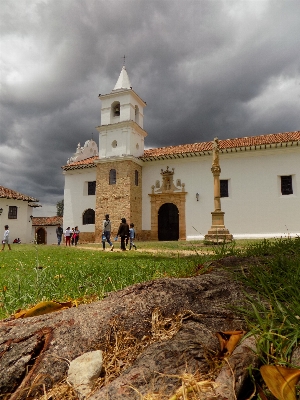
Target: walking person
{"points": [[59, 233], [131, 236], [68, 234], [72, 237], [6, 238], [76, 235], [106, 232], [123, 232]]}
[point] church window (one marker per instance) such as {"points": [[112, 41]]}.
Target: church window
{"points": [[286, 185], [136, 178], [112, 177], [224, 188], [92, 188], [137, 114], [116, 109], [114, 144], [88, 217], [12, 212]]}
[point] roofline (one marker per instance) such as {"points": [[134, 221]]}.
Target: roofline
{"points": [[225, 147], [121, 91]]}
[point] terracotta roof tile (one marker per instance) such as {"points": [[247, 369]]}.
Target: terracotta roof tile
{"points": [[237, 143], [87, 163], [262, 140], [47, 221], [12, 194]]}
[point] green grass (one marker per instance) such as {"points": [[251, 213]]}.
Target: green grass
{"points": [[30, 274], [274, 316]]}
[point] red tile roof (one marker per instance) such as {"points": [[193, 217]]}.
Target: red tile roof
{"points": [[251, 141], [12, 194], [47, 221], [87, 163], [204, 147]]}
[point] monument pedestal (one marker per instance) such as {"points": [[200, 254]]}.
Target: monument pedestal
{"points": [[218, 233]]}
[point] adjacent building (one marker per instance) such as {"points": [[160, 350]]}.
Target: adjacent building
{"points": [[16, 212]]}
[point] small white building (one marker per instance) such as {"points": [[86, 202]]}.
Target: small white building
{"points": [[168, 192], [16, 212], [44, 229]]}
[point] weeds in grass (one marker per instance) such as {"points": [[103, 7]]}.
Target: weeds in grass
{"points": [[273, 311]]}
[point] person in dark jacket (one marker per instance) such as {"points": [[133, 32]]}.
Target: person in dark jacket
{"points": [[59, 233], [123, 232]]}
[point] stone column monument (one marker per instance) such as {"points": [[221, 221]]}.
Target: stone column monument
{"points": [[217, 233]]}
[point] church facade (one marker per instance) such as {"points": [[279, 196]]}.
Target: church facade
{"points": [[168, 193]]}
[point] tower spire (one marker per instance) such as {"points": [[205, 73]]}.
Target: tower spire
{"points": [[123, 82]]}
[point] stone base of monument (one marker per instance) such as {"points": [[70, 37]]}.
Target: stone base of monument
{"points": [[218, 233]]}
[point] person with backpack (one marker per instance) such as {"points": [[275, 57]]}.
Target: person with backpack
{"points": [[106, 233]]}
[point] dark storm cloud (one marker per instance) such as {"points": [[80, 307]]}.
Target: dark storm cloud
{"points": [[226, 68]]}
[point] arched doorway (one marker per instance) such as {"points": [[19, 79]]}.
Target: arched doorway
{"points": [[40, 236], [168, 222]]}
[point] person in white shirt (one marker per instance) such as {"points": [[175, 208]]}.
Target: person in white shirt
{"points": [[68, 234], [6, 238]]}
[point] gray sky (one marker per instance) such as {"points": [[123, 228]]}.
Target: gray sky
{"points": [[206, 68]]}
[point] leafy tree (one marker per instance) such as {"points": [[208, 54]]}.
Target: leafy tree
{"points": [[60, 208]]}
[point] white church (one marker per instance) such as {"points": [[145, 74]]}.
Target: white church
{"points": [[168, 192]]}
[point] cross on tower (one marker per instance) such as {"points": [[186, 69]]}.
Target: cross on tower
{"points": [[123, 60]]}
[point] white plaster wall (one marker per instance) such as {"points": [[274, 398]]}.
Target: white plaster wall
{"points": [[255, 206], [20, 227], [128, 142], [76, 198]]}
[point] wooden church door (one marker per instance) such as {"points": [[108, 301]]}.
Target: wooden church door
{"points": [[168, 222]]}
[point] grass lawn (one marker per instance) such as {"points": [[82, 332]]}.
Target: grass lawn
{"points": [[30, 273]]}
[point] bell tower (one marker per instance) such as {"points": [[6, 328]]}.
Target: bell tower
{"points": [[119, 170], [121, 131]]}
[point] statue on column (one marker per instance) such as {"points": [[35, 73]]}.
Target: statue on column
{"points": [[216, 151], [218, 233]]}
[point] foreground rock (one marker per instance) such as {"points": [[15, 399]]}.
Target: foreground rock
{"points": [[36, 351]]}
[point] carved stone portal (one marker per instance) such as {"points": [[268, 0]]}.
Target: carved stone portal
{"points": [[167, 192]]}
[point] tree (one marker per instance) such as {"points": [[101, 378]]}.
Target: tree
{"points": [[60, 208]]}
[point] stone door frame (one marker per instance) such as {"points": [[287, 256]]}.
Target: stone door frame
{"points": [[157, 200]]}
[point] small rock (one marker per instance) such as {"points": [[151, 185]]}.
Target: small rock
{"points": [[295, 360], [83, 371]]}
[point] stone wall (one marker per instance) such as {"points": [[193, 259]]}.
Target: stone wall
{"points": [[120, 200], [86, 237]]}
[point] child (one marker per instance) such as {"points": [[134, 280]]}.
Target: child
{"points": [[6, 238], [131, 236]]}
